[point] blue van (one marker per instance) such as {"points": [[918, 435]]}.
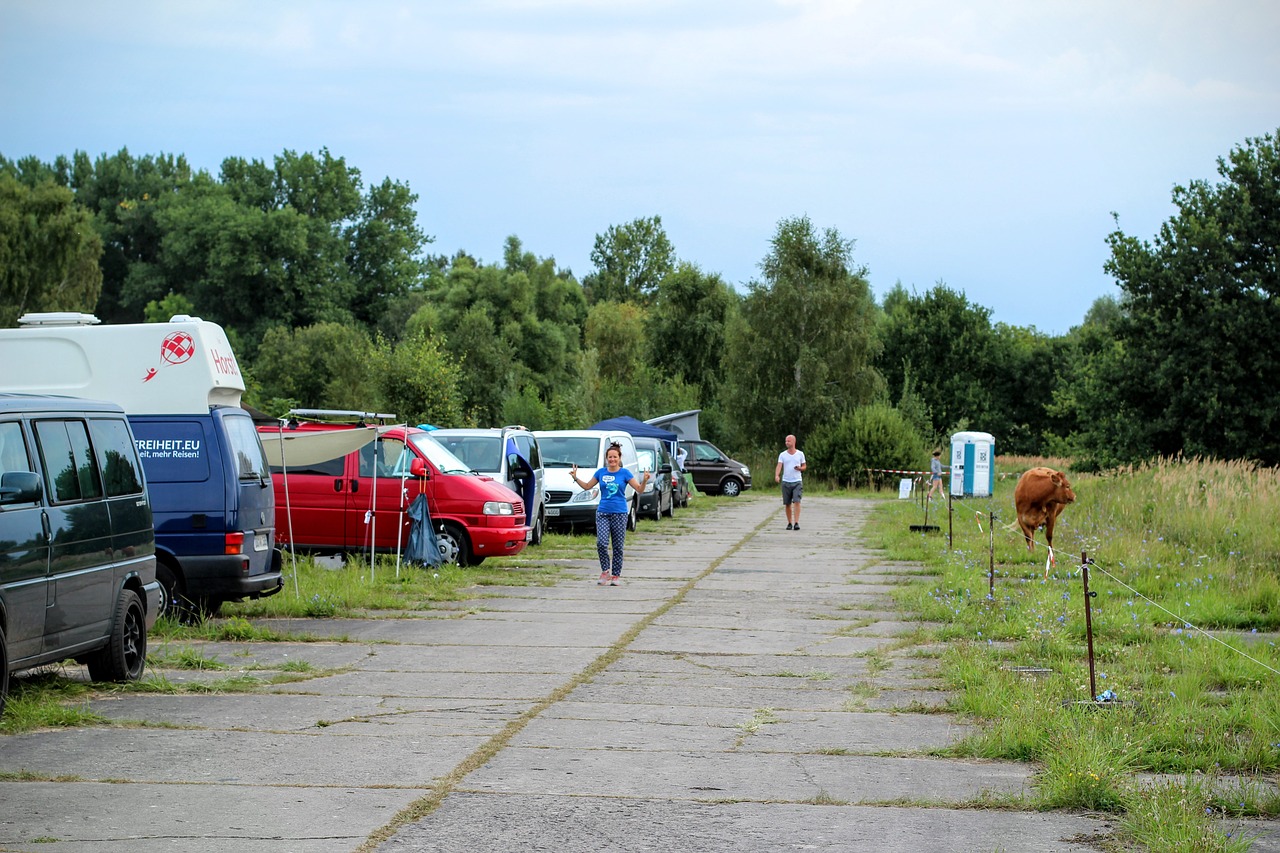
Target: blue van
{"points": [[180, 385]]}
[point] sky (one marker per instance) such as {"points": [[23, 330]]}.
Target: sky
{"points": [[985, 145]]}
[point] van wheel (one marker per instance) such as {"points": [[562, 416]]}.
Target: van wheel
{"points": [[633, 514], [454, 547], [173, 593], [538, 528], [731, 488], [4, 670], [125, 654]]}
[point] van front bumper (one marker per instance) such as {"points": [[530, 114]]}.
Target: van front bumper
{"points": [[499, 541]]}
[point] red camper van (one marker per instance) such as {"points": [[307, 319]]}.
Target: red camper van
{"points": [[353, 495]]}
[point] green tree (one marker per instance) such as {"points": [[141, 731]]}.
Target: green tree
{"points": [[799, 354], [326, 365], [616, 331], [418, 381], [630, 260], [686, 329], [49, 250], [1190, 370]]}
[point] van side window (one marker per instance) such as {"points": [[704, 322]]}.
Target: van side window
{"points": [[70, 469], [13, 449], [116, 456], [246, 448], [391, 453]]}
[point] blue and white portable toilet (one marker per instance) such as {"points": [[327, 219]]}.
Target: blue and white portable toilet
{"points": [[973, 464]]}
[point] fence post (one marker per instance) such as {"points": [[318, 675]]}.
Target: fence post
{"points": [[950, 526], [991, 552], [1088, 625]]}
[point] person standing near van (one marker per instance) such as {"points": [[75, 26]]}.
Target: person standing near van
{"points": [[791, 464], [611, 515]]}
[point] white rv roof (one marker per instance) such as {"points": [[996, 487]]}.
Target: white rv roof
{"points": [[182, 367]]}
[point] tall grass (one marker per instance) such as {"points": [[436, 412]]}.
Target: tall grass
{"points": [[1185, 578]]}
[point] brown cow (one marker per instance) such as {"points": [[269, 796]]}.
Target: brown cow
{"points": [[1040, 497]]}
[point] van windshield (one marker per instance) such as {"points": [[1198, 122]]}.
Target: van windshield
{"points": [[565, 452], [478, 452], [444, 461]]}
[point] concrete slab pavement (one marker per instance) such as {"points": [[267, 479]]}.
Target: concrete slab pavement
{"points": [[749, 688]]}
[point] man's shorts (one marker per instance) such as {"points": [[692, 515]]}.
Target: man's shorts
{"points": [[792, 492]]}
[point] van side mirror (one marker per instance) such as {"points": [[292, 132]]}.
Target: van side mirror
{"points": [[664, 468], [519, 468], [20, 487], [418, 467]]}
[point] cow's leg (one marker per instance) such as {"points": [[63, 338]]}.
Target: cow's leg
{"points": [[1028, 531], [1050, 518]]}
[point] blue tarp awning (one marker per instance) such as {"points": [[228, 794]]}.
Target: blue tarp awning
{"points": [[633, 427]]}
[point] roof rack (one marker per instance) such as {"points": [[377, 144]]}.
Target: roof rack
{"points": [[340, 416]]}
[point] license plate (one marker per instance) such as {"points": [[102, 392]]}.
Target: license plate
{"points": [[259, 541], [552, 512]]}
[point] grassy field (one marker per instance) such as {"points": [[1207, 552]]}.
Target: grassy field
{"points": [[1185, 610]]}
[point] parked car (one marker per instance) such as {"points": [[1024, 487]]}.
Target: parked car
{"points": [[356, 501], [566, 504], [509, 455], [77, 546], [713, 472], [658, 498]]}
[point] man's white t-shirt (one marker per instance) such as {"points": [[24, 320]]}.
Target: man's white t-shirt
{"points": [[791, 463]]}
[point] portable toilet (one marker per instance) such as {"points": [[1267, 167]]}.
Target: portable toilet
{"points": [[973, 469]]}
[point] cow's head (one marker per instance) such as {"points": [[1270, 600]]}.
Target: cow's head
{"points": [[1062, 488]]}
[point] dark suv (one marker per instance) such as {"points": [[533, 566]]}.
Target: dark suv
{"points": [[713, 472]]}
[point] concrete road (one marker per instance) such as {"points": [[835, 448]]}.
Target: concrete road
{"points": [[749, 688]]}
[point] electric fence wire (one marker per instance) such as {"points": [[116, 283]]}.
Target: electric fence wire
{"points": [[1187, 625]]}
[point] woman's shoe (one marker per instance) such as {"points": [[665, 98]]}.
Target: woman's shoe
{"points": [[604, 579]]}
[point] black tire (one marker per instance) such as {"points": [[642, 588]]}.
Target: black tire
{"points": [[671, 507], [539, 528], [4, 670], [633, 514], [731, 487], [170, 589], [173, 597], [125, 655], [454, 538]]}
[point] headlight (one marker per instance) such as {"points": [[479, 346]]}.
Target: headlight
{"points": [[650, 486], [746, 472], [586, 497], [499, 508]]}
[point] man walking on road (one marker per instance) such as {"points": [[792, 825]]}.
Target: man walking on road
{"points": [[790, 465]]}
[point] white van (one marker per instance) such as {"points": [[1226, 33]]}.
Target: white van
{"points": [[509, 455], [566, 504]]}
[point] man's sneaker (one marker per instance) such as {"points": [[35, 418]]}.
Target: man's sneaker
{"points": [[604, 579], [795, 526], [789, 525], [615, 581]]}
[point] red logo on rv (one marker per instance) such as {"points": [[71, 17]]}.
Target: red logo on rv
{"points": [[177, 348]]}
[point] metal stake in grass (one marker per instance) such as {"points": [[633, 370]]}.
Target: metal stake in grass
{"points": [[1088, 621]]}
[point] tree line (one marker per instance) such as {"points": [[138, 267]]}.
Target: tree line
{"points": [[332, 299]]}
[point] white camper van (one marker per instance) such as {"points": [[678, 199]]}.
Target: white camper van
{"points": [[180, 386]]}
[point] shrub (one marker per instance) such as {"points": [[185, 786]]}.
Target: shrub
{"points": [[875, 436]]}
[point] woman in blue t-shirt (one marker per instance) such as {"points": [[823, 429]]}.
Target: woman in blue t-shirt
{"points": [[611, 514]]}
